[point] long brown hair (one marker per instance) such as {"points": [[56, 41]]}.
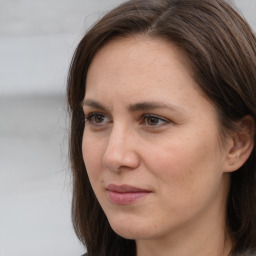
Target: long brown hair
{"points": [[221, 49]]}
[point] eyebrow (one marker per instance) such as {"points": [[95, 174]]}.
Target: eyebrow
{"points": [[93, 104], [143, 106]]}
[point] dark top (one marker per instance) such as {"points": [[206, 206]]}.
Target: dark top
{"points": [[248, 253]]}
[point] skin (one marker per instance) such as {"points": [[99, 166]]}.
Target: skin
{"points": [[176, 154]]}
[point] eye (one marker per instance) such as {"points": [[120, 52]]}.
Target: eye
{"points": [[154, 120], [97, 119]]}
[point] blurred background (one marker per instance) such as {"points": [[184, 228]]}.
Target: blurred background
{"points": [[37, 40]]}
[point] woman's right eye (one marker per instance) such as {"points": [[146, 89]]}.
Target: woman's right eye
{"points": [[97, 119]]}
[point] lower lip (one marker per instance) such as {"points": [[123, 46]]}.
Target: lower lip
{"points": [[125, 198]]}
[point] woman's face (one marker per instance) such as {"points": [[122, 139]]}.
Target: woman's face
{"points": [[151, 142]]}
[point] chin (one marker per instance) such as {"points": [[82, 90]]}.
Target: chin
{"points": [[131, 229], [130, 233]]}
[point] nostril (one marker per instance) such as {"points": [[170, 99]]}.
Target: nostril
{"points": [[111, 161], [125, 159], [120, 151]]}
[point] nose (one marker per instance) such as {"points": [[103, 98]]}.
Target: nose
{"points": [[120, 153]]}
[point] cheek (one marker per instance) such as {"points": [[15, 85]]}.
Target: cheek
{"points": [[92, 154], [187, 167]]}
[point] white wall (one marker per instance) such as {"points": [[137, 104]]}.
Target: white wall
{"points": [[248, 9], [37, 40]]}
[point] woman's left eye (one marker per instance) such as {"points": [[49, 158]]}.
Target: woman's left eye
{"points": [[154, 120]]}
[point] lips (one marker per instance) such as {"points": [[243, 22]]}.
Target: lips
{"points": [[125, 194]]}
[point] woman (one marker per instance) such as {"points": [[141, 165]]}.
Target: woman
{"points": [[162, 97]]}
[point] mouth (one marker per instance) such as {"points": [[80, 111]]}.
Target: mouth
{"points": [[125, 194]]}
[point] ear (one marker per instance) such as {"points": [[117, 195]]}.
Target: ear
{"points": [[241, 144]]}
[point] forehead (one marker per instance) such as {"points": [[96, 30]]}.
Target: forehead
{"points": [[141, 50], [138, 60]]}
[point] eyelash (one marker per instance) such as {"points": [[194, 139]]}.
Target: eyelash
{"points": [[92, 115], [91, 119], [156, 117]]}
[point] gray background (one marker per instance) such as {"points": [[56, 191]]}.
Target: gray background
{"points": [[37, 40]]}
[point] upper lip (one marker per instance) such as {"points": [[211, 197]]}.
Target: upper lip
{"points": [[125, 188]]}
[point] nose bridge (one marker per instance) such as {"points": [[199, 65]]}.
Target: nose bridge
{"points": [[121, 148], [116, 141]]}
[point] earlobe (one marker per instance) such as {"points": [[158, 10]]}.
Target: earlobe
{"points": [[241, 144]]}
